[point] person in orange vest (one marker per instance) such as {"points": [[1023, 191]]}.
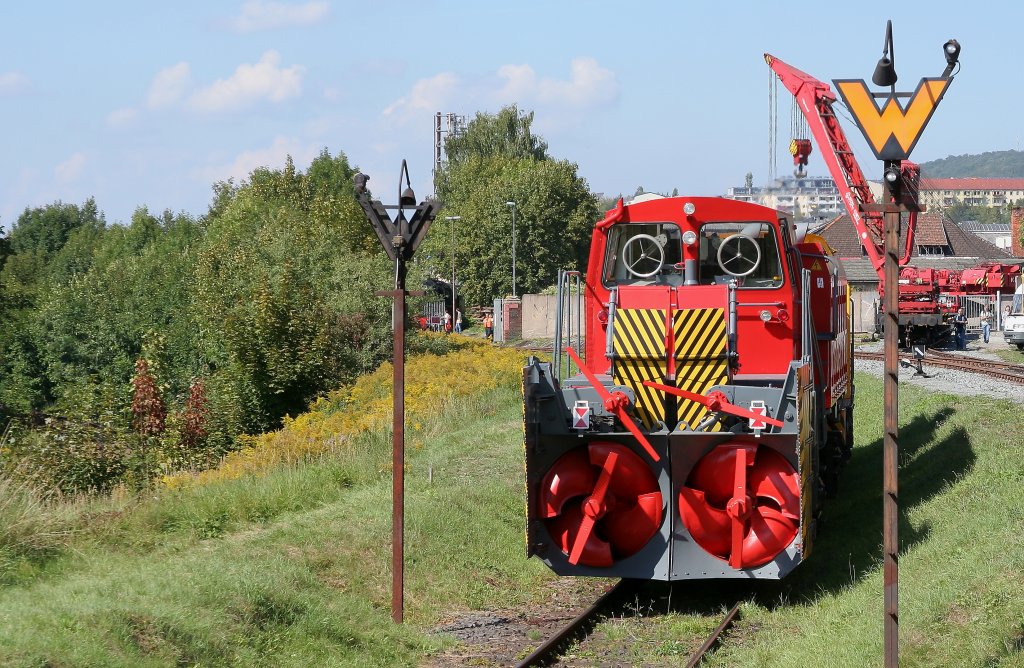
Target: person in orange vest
{"points": [[489, 326]]}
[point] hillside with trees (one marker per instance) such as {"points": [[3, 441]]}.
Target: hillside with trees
{"points": [[993, 164]]}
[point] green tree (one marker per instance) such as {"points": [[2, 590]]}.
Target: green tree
{"points": [[284, 295], [497, 160], [46, 229], [47, 246], [507, 133]]}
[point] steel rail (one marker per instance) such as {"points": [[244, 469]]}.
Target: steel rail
{"points": [[581, 624], [1013, 373], [715, 636]]}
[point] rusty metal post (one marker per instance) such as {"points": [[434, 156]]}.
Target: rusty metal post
{"points": [[400, 238], [890, 447], [398, 461]]}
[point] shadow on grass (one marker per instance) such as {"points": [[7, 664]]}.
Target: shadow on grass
{"points": [[849, 543]]}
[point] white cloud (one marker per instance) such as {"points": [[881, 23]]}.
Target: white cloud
{"points": [[250, 83], [272, 156], [427, 95], [260, 15], [120, 118], [589, 85], [169, 85], [70, 169], [12, 82]]}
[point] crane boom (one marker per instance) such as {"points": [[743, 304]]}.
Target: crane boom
{"points": [[815, 100]]}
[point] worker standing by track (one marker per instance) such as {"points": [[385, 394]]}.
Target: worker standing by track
{"points": [[960, 325], [489, 326], [986, 323]]}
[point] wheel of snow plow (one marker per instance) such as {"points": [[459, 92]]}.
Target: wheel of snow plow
{"points": [[741, 503], [600, 503]]}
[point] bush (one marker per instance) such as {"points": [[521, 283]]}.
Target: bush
{"points": [[30, 529], [70, 456]]}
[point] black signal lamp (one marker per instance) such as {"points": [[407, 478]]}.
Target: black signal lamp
{"points": [[360, 180], [952, 51]]}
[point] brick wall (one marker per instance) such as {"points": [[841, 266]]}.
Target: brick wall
{"points": [[1016, 229], [512, 322]]}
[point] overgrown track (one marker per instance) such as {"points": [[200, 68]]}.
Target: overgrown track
{"points": [[712, 640], [1013, 373], [579, 627]]}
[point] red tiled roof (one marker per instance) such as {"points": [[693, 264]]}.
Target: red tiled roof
{"points": [[972, 183], [930, 231], [933, 229]]}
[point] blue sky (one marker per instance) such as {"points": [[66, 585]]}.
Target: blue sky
{"points": [[149, 104]]}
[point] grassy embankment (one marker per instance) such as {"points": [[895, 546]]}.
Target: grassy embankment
{"points": [[291, 567]]}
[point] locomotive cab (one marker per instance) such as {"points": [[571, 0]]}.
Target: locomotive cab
{"points": [[692, 441]]}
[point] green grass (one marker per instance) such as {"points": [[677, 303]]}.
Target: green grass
{"points": [[294, 568], [962, 552], [289, 569]]}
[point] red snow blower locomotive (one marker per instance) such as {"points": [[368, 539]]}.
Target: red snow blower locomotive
{"points": [[698, 406]]}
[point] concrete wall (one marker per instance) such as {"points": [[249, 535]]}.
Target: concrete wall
{"points": [[539, 316], [864, 299]]}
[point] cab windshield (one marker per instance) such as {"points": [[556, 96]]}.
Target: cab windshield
{"points": [[643, 253], [747, 253]]}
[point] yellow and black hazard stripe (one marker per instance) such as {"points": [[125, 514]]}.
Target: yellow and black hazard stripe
{"points": [[701, 361]]}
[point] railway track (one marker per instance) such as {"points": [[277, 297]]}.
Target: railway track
{"points": [[1013, 373], [581, 626], [715, 636]]}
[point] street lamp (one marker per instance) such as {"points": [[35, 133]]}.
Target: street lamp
{"points": [[453, 219], [512, 205]]}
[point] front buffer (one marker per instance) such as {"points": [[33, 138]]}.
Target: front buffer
{"points": [[698, 505]]}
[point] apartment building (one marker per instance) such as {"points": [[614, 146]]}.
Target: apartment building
{"points": [[971, 191], [810, 196]]}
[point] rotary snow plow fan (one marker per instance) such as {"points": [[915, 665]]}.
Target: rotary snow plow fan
{"points": [[741, 503], [600, 504]]}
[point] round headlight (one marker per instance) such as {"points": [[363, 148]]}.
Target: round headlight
{"points": [[689, 208], [689, 237], [766, 315]]}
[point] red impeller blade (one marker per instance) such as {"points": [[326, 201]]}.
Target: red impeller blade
{"points": [[594, 507], [571, 476], [629, 529], [611, 518], [752, 512], [708, 525], [566, 528], [770, 532], [773, 479]]}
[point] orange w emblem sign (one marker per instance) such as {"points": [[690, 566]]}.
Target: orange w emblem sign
{"points": [[891, 130]]}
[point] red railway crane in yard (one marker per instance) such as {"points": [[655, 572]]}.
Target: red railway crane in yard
{"points": [[927, 297]]}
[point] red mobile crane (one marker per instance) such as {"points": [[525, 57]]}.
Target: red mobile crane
{"points": [[923, 293], [815, 100], [920, 289]]}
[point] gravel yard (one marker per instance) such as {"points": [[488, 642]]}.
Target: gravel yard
{"points": [[950, 381]]}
